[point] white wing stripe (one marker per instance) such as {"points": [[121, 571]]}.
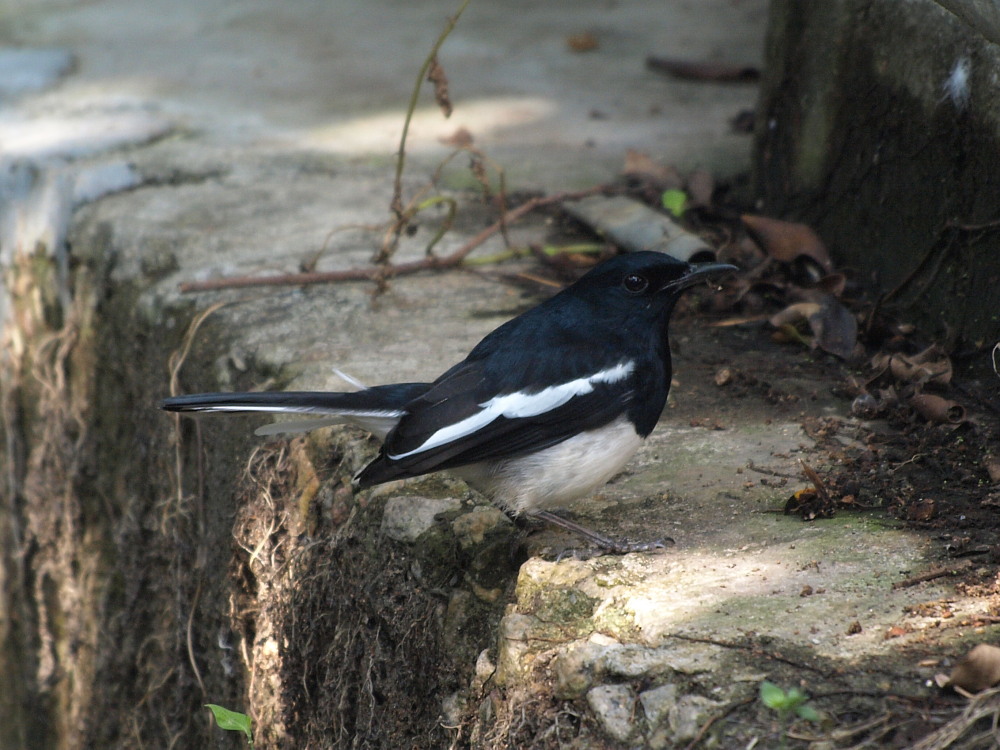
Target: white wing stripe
{"points": [[520, 404]]}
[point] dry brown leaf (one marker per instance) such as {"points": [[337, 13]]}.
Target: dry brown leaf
{"points": [[585, 41], [703, 70], [929, 366], [833, 327], [833, 283], [738, 321], [923, 510], [993, 469], [937, 409], [437, 77], [979, 670], [920, 368], [640, 165], [795, 313], [785, 240], [461, 138], [932, 353], [700, 188]]}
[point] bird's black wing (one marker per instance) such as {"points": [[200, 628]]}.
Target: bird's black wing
{"points": [[463, 419]]}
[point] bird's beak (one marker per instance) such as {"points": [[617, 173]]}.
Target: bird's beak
{"points": [[697, 272]]}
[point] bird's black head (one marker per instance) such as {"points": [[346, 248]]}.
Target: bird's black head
{"points": [[619, 309], [645, 280]]}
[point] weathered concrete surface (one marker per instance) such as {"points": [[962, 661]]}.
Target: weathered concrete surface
{"points": [[199, 567], [891, 156]]}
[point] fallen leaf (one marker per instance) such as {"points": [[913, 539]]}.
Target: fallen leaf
{"points": [[817, 481], [979, 670], [740, 321], [923, 510], [785, 240], [723, 376], [437, 77], [836, 329], [833, 327], [700, 188], [585, 41], [640, 165], [931, 365], [461, 138], [833, 283], [788, 334], [794, 313], [703, 70], [937, 409], [993, 468], [809, 505]]}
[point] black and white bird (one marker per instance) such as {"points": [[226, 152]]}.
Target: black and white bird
{"points": [[545, 409]]}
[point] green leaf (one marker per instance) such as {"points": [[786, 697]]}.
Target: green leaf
{"points": [[674, 201], [808, 713], [773, 696], [796, 697], [232, 721]]}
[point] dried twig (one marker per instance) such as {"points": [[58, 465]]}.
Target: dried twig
{"points": [[396, 205], [717, 717], [377, 274], [818, 483], [939, 572], [756, 650], [985, 705]]}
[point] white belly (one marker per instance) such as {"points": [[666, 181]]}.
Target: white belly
{"points": [[556, 476]]}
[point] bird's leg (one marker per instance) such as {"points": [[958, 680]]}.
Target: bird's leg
{"points": [[614, 546]]}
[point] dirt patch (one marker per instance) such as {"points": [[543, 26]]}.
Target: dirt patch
{"points": [[351, 638]]}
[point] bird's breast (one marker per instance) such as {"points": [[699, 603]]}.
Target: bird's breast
{"points": [[558, 475]]}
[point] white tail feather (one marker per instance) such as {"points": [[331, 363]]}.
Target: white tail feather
{"points": [[378, 425]]}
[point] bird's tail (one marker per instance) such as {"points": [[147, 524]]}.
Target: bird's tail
{"points": [[375, 409]]}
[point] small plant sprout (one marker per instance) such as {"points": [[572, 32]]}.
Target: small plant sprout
{"points": [[787, 703], [232, 721], [674, 201]]}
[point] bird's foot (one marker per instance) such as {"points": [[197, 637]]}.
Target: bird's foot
{"points": [[605, 544]]}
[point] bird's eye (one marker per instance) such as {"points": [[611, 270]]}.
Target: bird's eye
{"points": [[635, 283]]}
